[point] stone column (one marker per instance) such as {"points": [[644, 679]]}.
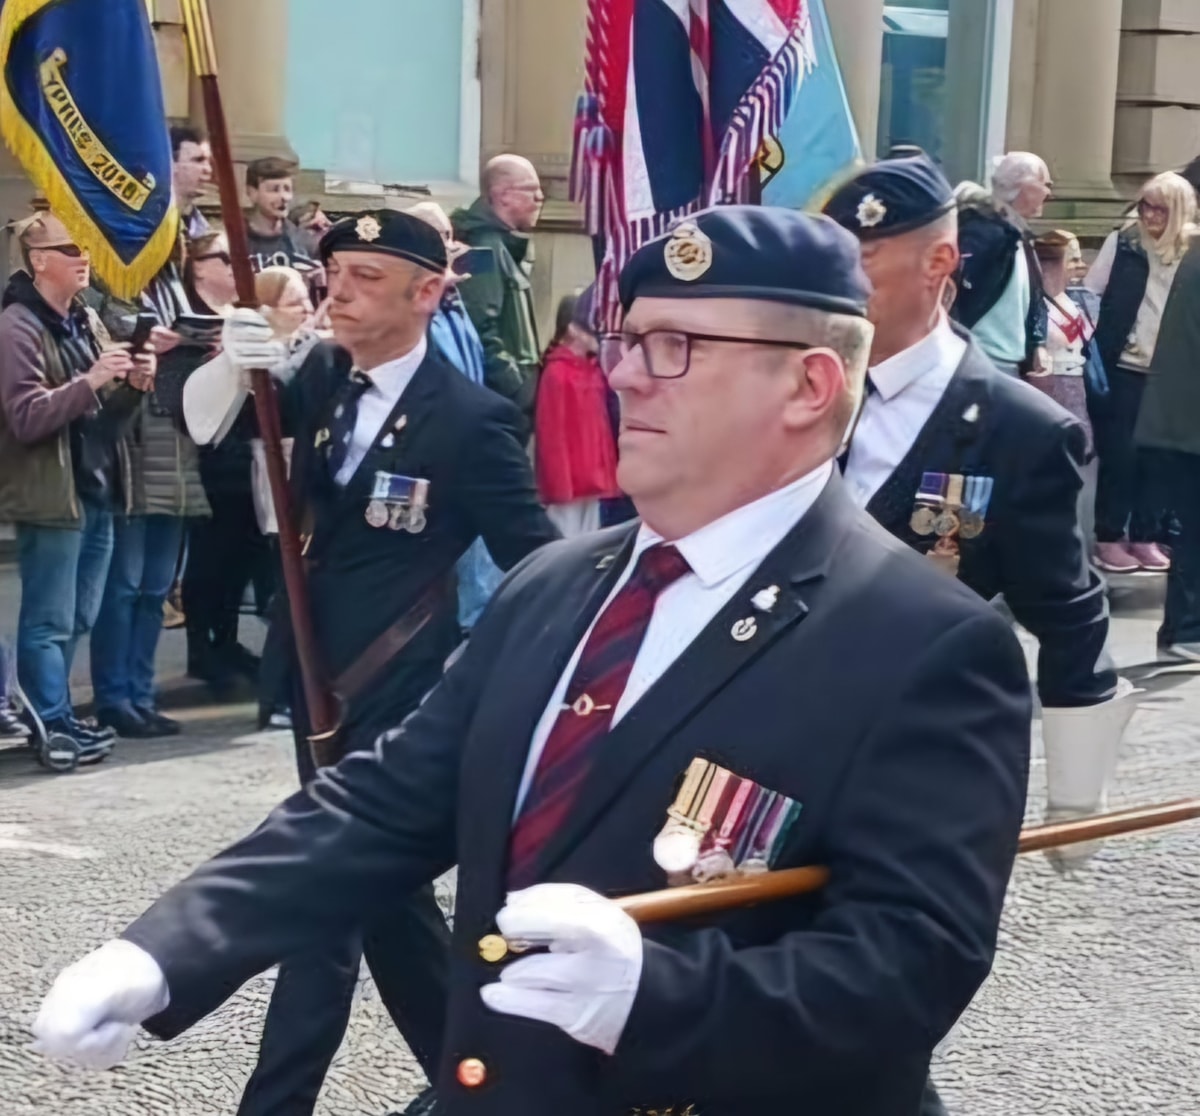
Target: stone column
{"points": [[1074, 106], [251, 42], [857, 27]]}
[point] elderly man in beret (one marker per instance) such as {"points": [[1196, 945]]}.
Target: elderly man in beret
{"points": [[754, 676]]}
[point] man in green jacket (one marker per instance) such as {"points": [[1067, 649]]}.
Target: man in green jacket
{"points": [[498, 295]]}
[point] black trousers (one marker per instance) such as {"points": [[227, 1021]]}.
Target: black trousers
{"points": [[1181, 616], [225, 553], [1129, 497], [407, 948]]}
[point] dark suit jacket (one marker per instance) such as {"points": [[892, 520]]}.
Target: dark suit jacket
{"points": [[462, 439], [887, 699], [1031, 550]]}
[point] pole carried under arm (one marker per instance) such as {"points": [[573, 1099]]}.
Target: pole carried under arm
{"points": [[322, 710]]}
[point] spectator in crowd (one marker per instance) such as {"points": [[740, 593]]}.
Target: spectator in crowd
{"points": [[1069, 334], [576, 455], [192, 171], [455, 335], [999, 295], [12, 728], [227, 549], [167, 493], [1168, 426], [271, 236], [498, 295], [63, 471], [310, 223], [1133, 276]]}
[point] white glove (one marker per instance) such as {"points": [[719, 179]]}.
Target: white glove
{"points": [[91, 1013], [588, 981], [250, 342]]}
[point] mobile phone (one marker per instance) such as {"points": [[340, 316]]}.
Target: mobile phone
{"points": [[141, 333]]}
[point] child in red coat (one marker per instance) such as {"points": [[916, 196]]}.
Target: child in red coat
{"points": [[574, 450]]}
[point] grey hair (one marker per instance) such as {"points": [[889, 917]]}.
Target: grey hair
{"points": [[1013, 171], [848, 336]]}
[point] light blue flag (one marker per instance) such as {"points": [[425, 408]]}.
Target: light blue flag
{"points": [[819, 141]]}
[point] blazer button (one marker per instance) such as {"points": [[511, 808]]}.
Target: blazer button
{"points": [[493, 948], [471, 1073]]}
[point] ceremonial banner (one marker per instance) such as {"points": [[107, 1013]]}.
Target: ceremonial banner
{"points": [[818, 143], [81, 107], [680, 98]]}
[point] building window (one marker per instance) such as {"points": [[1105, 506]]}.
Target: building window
{"points": [[385, 91], [913, 98]]}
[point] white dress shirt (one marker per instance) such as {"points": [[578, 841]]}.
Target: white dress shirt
{"points": [[908, 387], [388, 382], [722, 556]]}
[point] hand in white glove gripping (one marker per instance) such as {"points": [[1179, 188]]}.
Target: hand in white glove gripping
{"points": [[250, 342], [588, 981], [92, 1011]]}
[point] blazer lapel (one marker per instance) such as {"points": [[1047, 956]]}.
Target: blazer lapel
{"points": [[731, 643], [548, 643]]}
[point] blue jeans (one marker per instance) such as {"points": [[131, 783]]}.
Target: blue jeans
{"points": [[145, 557], [62, 573]]}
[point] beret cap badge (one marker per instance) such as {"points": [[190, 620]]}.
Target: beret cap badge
{"points": [[368, 228], [688, 253], [871, 212]]}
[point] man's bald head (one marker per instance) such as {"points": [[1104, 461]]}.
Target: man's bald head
{"points": [[513, 191]]}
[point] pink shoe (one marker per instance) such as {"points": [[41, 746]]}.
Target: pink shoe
{"points": [[1149, 557], [1113, 557]]}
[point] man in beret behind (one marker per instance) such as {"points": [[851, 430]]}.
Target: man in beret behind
{"points": [[755, 657]]}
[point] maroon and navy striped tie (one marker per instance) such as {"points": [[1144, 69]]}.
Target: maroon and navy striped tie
{"points": [[588, 707]]}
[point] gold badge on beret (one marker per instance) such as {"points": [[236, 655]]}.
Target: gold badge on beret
{"points": [[368, 229], [689, 253]]}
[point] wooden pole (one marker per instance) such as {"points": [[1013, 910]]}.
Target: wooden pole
{"points": [[747, 891], [321, 707]]}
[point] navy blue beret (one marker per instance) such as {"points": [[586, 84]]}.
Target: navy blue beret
{"points": [[892, 197], [388, 232], [752, 252]]}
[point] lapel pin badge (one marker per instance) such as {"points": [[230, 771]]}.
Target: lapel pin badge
{"points": [[971, 414], [766, 599], [388, 441], [321, 439], [745, 630], [606, 562], [401, 423]]}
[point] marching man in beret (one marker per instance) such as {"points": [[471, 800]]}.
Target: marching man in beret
{"points": [[400, 463], [753, 677]]}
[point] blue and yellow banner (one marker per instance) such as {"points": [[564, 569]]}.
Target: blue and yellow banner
{"points": [[81, 107]]}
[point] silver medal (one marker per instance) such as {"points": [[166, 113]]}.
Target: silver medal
{"points": [[377, 514]]}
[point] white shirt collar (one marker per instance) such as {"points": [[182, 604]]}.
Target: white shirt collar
{"points": [[392, 377], [746, 535], [901, 371]]}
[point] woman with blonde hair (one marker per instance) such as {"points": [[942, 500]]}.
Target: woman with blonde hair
{"points": [[1133, 275]]}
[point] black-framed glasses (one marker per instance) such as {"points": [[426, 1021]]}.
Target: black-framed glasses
{"points": [[668, 352], [224, 257]]}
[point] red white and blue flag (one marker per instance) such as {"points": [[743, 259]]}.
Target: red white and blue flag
{"points": [[680, 97]]}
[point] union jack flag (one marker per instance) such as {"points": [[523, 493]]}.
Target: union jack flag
{"points": [[680, 96]]}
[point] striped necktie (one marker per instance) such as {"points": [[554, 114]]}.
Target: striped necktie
{"points": [[345, 418], [589, 703]]}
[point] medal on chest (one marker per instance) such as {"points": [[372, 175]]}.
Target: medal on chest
{"points": [[399, 503]]}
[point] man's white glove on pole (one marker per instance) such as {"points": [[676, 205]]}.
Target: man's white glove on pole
{"points": [[92, 1012], [587, 983], [250, 342]]}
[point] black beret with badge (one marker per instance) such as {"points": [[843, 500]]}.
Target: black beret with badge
{"points": [[388, 232], [752, 252], [892, 197]]}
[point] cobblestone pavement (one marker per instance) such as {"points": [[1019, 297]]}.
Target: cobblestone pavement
{"points": [[1093, 1008]]}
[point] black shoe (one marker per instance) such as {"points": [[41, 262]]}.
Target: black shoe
{"points": [[241, 661], [88, 733], [156, 724], [11, 726], [125, 722]]}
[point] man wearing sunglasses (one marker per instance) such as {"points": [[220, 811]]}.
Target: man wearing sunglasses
{"points": [[754, 620], [66, 396]]}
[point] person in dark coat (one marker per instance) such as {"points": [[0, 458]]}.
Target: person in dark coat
{"points": [[980, 473], [754, 676], [399, 463], [1169, 424]]}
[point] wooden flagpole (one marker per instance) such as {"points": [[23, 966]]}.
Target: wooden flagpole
{"points": [[321, 707]]}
